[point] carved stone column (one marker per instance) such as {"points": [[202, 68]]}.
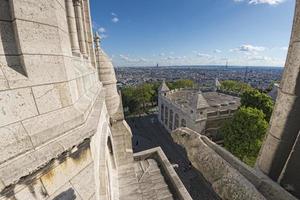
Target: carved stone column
{"points": [[80, 26], [285, 123], [72, 26]]}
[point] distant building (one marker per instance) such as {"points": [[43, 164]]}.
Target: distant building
{"points": [[202, 112]]}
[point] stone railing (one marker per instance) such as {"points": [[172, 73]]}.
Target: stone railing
{"points": [[267, 187], [175, 185], [230, 177]]}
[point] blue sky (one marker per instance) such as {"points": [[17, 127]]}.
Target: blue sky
{"points": [[194, 32]]}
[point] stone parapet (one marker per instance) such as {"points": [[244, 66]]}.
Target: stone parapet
{"points": [[176, 186], [226, 180]]}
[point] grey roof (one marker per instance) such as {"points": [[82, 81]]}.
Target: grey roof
{"points": [[198, 101], [163, 87]]}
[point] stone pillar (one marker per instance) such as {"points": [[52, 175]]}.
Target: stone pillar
{"points": [[72, 26], [85, 26], [285, 121], [80, 26]]}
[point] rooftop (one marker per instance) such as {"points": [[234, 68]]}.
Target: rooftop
{"points": [[191, 98]]}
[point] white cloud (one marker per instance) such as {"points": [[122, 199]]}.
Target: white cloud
{"points": [[284, 48], [203, 55], [115, 19], [132, 60], [103, 36], [248, 49], [101, 30], [255, 2], [217, 51]]}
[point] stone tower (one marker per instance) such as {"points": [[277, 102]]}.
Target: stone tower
{"points": [[107, 76], [280, 155]]}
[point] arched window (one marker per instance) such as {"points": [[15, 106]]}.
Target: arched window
{"points": [[171, 120], [183, 123], [166, 115], [162, 111], [176, 125]]}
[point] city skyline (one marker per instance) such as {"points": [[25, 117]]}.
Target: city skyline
{"points": [[208, 32]]}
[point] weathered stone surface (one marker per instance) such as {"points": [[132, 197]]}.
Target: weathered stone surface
{"points": [[4, 10], [226, 181], [16, 105], [64, 172], [42, 11], [14, 141], [3, 81], [34, 37], [11, 171], [38, 70], [52, 97], [292, 70], [7, 39], [65, 192], [84, 182], [34, 191]]}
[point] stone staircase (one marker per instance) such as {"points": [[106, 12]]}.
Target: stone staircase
{"points": [[151, 182]]}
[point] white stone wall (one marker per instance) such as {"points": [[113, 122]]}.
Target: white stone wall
{"points": [[51, 101], [191, 119]]}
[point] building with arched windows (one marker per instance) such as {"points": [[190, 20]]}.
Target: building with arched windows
{"points": [[202, 112]]}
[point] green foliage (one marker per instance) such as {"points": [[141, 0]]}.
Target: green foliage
{"points": [[261, 101], [235, 86], [129, 100], [137, 98], [243, 135], [182, 83]]}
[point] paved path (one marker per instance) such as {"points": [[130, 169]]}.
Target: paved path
{"points": [[148, 133]]}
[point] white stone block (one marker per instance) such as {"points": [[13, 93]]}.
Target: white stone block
{"points": [[41, 69], [14, 141], [3, 81], [45, 127], [35, 191], [52, 97], [60, 175], [36, 38], [42, 11], [16, 105], [11, 171], [84, 182], [73, 90]]}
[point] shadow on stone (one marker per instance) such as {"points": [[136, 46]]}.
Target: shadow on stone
{"points": [[66, 195]]}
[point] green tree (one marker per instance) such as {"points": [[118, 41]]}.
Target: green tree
{"points": [[143, 94], [244, 133], [261, 101], [129, 100], [182, 83], [235, 86]]}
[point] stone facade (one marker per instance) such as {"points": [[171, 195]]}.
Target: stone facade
{"points": [[202, 112], [63, 133]]}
